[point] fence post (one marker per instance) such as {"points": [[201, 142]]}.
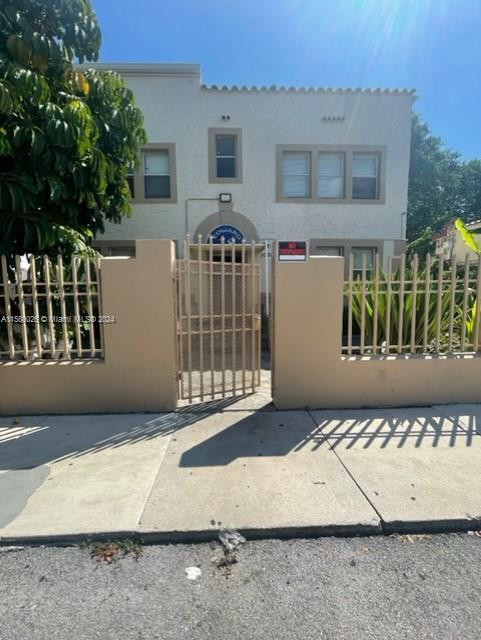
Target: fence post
{"points": [[140, 294], [307, 315]]}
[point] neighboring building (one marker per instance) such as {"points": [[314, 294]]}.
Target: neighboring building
{"points": [[327, 165], [450, 243]]}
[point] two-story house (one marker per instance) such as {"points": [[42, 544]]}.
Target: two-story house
{"points": [[319, 164]]}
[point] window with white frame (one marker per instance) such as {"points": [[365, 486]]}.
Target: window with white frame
{"points": [[296, 174], [365, 176], [157, 174], [330, 174]]}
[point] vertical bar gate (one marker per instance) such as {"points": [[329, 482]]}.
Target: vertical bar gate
{"points": [[218, 320]]}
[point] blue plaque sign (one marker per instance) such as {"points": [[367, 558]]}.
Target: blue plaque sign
{"points": [[231, 234]]}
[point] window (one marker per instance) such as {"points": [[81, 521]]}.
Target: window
{"points": [[119, 248], [329, 251], [336, 174], [330, 175], [225, 155], [157, 174], [131, 182], [358, 253], [296, 174], [155, 180], [365, 176], [127, 250]]}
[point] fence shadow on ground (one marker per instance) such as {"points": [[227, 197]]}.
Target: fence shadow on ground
{"points": [[29, 443], [277, 434], [415, 428]]}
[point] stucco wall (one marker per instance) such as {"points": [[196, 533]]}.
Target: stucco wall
{"points": [[138, 372], [178, 110], [309, 371]]}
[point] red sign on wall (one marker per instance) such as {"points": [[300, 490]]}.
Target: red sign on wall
{"points": [[292, 251]]}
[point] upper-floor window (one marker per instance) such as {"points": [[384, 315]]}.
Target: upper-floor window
{"points": [[328, 173], [225, 155], [157, 174], [131, 181], [156, 179], [296, 174], [365, 176]]}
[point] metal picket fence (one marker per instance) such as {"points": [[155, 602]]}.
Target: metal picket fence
{"points": [[412, 308], [50, 309]]}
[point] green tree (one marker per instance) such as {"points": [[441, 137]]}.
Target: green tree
{"points": [[435, 177], [471, 190], [67, 138], [442, 187]]}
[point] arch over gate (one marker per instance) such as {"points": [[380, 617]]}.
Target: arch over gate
{"points": [[227, 218]]}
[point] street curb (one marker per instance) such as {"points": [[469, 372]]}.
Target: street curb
{"points": [[66, 539], [283, 533], [192, 537], [449, 525]]}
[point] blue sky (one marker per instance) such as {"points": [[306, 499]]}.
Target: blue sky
{"points": [[431, 45]]}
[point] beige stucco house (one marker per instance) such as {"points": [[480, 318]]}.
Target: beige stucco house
{"points": [[319, 164]]}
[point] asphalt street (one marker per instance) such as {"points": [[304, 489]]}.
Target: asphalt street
{"points": [[382, 587]]}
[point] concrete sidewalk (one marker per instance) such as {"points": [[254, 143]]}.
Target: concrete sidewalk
{"points": [[183, 475]]}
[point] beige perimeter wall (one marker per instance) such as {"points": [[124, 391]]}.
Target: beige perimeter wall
{"points": [[139, 368], [309, 371]]}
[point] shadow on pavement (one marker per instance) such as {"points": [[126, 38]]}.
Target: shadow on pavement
{"points": [[263, 434], [31, 443]]}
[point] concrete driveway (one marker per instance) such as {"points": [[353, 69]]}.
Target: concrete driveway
{"points": [[240, 464]]}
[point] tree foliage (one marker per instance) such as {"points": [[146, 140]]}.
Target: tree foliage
{"points": [[441, 187], [67, 138]]}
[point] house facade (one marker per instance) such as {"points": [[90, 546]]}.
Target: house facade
{"points": [[451, 246], [325, 165]]}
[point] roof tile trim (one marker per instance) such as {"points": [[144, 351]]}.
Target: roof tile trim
{"points": [[233, 88]]}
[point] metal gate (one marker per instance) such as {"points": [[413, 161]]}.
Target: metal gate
{"points": [[218, 320]]}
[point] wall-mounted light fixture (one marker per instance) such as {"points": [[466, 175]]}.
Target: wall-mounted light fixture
{"points": [[225, 197], [225, 117]]}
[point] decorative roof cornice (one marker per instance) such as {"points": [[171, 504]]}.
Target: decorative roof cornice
{"points": [[194, 71], [279, 89]]}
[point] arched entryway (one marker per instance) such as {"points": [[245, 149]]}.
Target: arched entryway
{"points": [[234, 226]]}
